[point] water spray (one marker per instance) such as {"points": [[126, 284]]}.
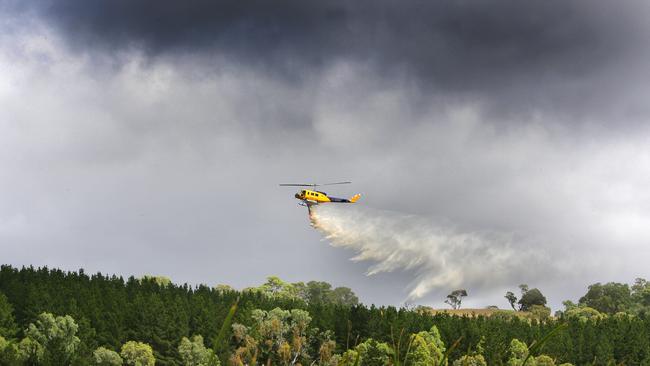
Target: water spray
{"points": [[442, 255]]}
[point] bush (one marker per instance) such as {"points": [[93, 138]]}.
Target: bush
{"points": [[137, 354], [476, 360], [106, 357]]}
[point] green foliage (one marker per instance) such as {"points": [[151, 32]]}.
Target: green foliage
{"points": [[475, 360], [544, 360], [519, 355], [609, 298], [343, 296], [8, 352], [275, 287], [568, 304], [373, 353], [540, 312], [348, 358], [221, 288], [314, 292], [52, 340], [539, 343], [271, 326], [512, 299], [317, 292], [583, 313], [326, 354], [280, 334], [246, 351], [194, 353], [161, 281], [505, 315], [524, 288], [106, 357], [518, 352], [110, 311], [530, 298], [427, 348], [455, 298], [218, 345], [7, 324], [3, 344], [641, 292], [137, 354], [30, 352]]}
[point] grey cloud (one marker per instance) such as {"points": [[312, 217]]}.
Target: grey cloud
{"points": [[168, 162], [517, 57]]}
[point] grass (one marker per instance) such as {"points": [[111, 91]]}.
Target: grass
{"points": [[219, 341], [478, 312]]}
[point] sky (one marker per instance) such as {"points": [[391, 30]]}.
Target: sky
{"points": [[149, 137]]}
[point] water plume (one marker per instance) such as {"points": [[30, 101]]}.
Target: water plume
{"points": [[442, 256]]}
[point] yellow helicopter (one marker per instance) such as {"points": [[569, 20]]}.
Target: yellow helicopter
{"points": [[311, 197]]}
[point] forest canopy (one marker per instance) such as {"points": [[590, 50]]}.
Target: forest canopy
{"points": [[53, 317]]}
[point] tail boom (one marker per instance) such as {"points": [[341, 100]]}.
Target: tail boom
{"points": [[352, 199]]}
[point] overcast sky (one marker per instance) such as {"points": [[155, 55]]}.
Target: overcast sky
{"points": [[148, 137]]}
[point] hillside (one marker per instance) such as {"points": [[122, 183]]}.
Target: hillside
{"points": [[111, 315]]}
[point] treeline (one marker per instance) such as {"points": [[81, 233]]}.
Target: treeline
{"points": [[282, 323]]}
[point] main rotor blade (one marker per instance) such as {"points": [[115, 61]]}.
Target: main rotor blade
{"points": [[331, 184], [310, 184]]}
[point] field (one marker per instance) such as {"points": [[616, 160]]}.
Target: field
{"points": [[479, 312]]}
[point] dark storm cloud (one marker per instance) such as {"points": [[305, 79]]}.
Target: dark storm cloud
{"points": [[458, 44], [515, 56]]}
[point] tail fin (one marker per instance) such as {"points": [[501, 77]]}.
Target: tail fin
{"points": [[355, 198]]}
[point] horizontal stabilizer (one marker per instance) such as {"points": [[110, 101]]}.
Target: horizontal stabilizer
{"points": [[355, 198]]}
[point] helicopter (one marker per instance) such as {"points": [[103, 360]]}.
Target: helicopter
{"points": [[311, 197]]}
